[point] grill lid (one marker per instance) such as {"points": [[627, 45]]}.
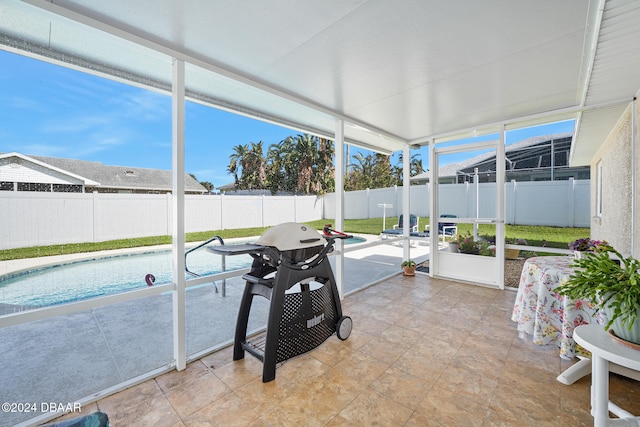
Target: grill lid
{"points": [[291, 235]]}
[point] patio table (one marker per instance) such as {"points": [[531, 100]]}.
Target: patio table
{"points": [[607, 352], [549, 317]]}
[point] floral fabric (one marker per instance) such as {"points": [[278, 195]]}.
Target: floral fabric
{"points": [[546, 315]]}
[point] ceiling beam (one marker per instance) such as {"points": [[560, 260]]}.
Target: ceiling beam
{"points": [[567, 113]]}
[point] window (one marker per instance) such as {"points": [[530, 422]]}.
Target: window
{"points": [[67, 188], [34, 186], [599, 188]]}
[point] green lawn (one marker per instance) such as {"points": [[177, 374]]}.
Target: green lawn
{"points": [[535, 235], [557, 237]]}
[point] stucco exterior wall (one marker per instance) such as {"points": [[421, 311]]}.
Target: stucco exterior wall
{"points": [[615, 222], [636, 237]]}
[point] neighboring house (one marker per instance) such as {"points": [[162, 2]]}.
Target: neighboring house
{"points": [[228, 188], [19, 172], [232, 190], [542, 158]]}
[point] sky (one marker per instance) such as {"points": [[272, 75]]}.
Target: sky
{"points": [[49, 110]]}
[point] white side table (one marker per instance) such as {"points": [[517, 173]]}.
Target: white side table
{"points": [[604, 349]]}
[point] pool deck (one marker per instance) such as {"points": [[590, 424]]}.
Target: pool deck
{"points": [[74, 356]]}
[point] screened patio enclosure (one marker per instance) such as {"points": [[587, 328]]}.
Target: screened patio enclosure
{"points": [[378, 75]]}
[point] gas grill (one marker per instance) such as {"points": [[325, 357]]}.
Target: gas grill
{"points": [[290, 269]]}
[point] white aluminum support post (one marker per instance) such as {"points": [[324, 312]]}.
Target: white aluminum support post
{"points": [[384, 207], [339, 214], [433, 208], [177, 234], [406, 203], [476, 187], [500, 207]]}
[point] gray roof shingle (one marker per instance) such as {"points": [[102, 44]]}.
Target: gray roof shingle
{"points": [[121, 177]]}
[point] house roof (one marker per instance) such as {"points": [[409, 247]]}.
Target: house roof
{"points": [[518, 149], [17, 157], [396, 73], [118, 177]]}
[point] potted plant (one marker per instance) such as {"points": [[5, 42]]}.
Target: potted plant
{"points": [[409, 267], [467, 244], [508, 252], [612, 283], [513, 253], [580, 246]]}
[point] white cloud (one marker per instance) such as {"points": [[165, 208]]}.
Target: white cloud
{"points": [[43, 150], [76, 124], [22, 103], [213, 176], [143, 105]]}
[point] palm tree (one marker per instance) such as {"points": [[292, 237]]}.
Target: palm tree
{"points": [[370, 171], [301, 164], [289, 164], [382, 173], [248, 166], [236, 161], [361, 176], [415, 164], [282, 171], [306, 152], [254, 171], [325, 173], [274, 168]]}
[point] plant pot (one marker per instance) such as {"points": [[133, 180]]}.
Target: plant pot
{"points": [[409, 271], [511, 253], [623, 332], [471, 251], [454, 247]]}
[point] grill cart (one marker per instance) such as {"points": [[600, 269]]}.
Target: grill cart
{"points": [[290, 269]]}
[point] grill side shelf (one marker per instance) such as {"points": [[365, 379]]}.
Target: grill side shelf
{"points": [[247, 248]]}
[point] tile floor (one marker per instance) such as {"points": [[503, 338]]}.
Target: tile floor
{"points": [[423, 352]]}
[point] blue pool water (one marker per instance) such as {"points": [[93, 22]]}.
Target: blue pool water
{"points": [[104, 276], [96, 277]]}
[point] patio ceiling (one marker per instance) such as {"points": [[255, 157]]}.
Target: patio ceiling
{"points": [[396, 72]]}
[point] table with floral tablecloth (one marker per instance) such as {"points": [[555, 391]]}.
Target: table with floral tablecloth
{"points": [[544, 314]]}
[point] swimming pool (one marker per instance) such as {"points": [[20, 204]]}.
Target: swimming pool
{"points": [[103, 276], [96, 277]]}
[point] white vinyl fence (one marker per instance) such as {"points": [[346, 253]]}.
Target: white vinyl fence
{"points": [[38, 219], [554, 203]]}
